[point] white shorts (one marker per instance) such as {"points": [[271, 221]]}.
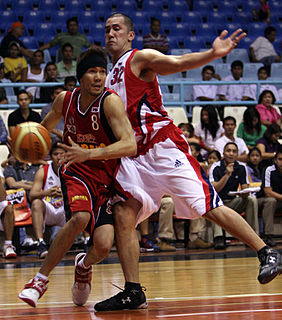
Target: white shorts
{"points": [[3, 205], [54, 216], [168, 168]]}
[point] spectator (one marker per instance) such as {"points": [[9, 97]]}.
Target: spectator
{"points": [[67, 66], [70, 83], [23, 113], [196, 152], [206, 92], [227, 175], [15, 67], [251, 129], [34, 72], [268, 144], [229, 125], [233, 92], [43, 94], [155, 40], [76, 39], [272, 190], [13, 35], [9, 91], [57, 132], [263, 13], [251, 90], [3, 132], [213, 156], [7, 222], [47, 200], [265, 204], [209, 130], [146, 243], [189, 133], [268, 114], [262, 49]]}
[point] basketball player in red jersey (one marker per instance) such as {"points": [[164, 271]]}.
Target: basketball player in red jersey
{"points": [[163, 164], [97, 133]]}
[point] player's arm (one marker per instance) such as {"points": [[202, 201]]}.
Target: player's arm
{"points": [[270, 193], [167, 64], [54, 116], [121, 127]]}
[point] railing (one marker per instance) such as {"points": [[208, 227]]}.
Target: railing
{"points": [[181, 82]]}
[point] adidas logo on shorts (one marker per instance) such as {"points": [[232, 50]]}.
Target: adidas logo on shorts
{"points": [[178, 163]]}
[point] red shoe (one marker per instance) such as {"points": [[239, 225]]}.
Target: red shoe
{"points": [[33, 291], [9, 251]]}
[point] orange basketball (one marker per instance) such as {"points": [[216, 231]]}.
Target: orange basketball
{"points": [[30, 142]]}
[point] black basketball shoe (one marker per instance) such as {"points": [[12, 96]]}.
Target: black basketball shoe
{"points": [[124, 300], [270, 264]]}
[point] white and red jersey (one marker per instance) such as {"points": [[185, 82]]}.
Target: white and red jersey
{"points": [[143, 100], [51, 179], [89, 129]]}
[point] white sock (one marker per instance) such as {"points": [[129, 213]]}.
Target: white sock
{"points": [[40, 240], [81, 264], [3, 205], [41, 276], [7, 242]]}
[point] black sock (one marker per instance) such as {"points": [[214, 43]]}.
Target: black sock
{"points": [[132, 286], [262, 250]]}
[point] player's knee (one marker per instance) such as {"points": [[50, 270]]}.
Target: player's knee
{"points": [[124, 215], [36, 204], [9, 212], [103, 249], [79, 220]]}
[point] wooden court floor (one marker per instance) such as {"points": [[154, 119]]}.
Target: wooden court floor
{"points": [[183, 285]]}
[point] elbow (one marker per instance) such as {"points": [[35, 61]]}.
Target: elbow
{"points": [[132, 148]]}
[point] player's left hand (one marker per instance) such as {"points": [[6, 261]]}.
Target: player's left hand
{"points": [[74, 153], [223, 45]]}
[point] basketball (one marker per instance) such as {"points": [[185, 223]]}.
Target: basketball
{"points": [[30, 142]]}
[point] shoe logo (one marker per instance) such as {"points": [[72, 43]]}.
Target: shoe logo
{"points": [[272, 259], [178, 163], [126, 300]]}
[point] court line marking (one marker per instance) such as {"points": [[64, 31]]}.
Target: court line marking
{"points": [[217, 312], [160, 299]]}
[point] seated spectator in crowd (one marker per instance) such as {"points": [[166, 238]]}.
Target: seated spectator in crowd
{"points": [[250, 92], [272, 190], [206, 92], [229, 125], [46, 199], [189, 133], [43, 94], [196, 152], [155, 40], [268, 144], [57, 132], [23, 113], [70, 83], [263, 13], [227, 175], [268, 114], [262, 49], [34, 71], [15, 67], [13, 35], [251, 129], [146, 243], [255, 173], [67, 66], [76, 39], [9, 91], [213, 156], [7, 221], [209, 130], [233, 92], [3, 132]]}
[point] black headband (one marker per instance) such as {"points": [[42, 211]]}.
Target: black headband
{"points": [[90, 62]]}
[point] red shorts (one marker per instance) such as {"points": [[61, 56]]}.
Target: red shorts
{"points": [[83, 194]]}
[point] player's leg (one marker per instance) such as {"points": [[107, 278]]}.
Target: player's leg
{"points": [[64, 239], [132, 297], [102, 243], [8, 220]]}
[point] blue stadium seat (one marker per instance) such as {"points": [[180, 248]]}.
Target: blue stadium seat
{"points": [[256, 29], [138, 42], [195, 43], [74, 6], [152, 6], [238, 54], [276, 70], [243, 18], [251, 70], [33, 17], [206, 29], [7, 18], [45, 29], [246, 42], [95, 29], [194, 74], [165, 17], [174, 41], [87, 17], [180, 29], [202, 7], [49, 5], [176, 6], [20, 6], [217, 17], [30, 42], [58, 16], [191, 17], [223, 69], [127, 6], [180, 52]]}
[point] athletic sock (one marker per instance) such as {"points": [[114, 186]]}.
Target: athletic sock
{"points": [[82, 265], [40, 276], [132, 286]]}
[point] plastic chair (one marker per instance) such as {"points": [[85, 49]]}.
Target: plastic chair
{"points": [[33, 17], [152, 6], [8, 17], [235, 111], [48, 5], [196, 115], [30, 42], [206, 29], [238, 54], [180, 52], [194, 74], [251, 70], [58, 16], [275, 70], [195, 43], [177, 114], [191, 18], [21, 5], [217, 17], [223, 69], [179, 29], [45, 29], [256, 29], [127, 6], [74, 6]]}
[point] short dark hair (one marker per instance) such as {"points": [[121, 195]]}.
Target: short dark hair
{"points": [[67, 44], [153, 19], [72, 19], [230, 143], [196, 145], [237, 63], [127, 19], [208, 67], [56, 88], [50, 63], [253, 150], [216, 152], [54, 146], [69, 79], [22, 91], [93, 50], [271, 129], [264, 93], [268, 30], [263, 68], [228, 118], [278, 151]]}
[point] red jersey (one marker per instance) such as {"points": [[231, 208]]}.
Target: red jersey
{"points": [[143, 100], [90, 130]]}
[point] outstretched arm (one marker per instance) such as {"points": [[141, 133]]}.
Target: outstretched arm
{"points": [[152, 60]]}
